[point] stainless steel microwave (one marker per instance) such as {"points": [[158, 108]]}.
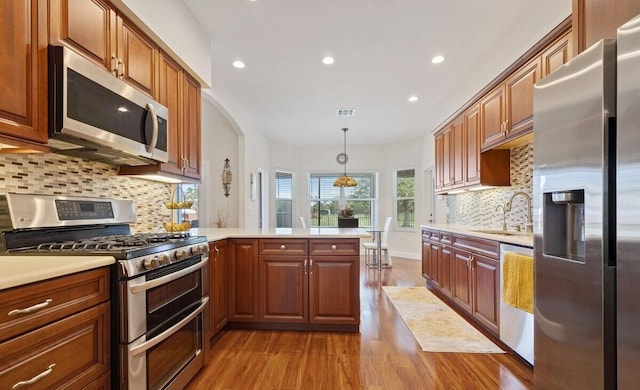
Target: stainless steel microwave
{"points": [[94, 115]]}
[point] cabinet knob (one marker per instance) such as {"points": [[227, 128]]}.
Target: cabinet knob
{"points": [[333, 247], [283, 247]]}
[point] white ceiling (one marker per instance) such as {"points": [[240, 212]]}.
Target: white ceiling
{"points": [[382, 50]]}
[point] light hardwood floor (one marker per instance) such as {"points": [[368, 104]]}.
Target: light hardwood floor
{"points": [[384, 355]]}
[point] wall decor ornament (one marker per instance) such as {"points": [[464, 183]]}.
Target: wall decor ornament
{"points": [[226, 177]]}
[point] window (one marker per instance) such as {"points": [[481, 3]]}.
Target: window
{"points": [[188, 192], [284, 199], [405, 198], [325, 200]]}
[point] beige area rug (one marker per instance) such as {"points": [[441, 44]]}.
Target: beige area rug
{"points": [[436, 327]]}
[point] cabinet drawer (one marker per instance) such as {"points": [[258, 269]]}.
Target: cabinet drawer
{"points": [[50, 300], [74, 351], [333, 247], [282, 247], [481, 246]]}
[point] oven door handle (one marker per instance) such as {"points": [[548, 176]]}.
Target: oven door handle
{"points": [[138, 288], [169, 332]]}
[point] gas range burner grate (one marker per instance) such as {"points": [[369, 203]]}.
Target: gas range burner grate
{"points": [[113, 243]]}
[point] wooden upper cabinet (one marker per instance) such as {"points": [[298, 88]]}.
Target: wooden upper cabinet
{"points": [[556, 55], [447, 176], [170, 95], [191, 128], [519, 98], [457, 152], [93, 29], [472, 145], [23, 106], [439, 144], [492, 117], [137, 56]]}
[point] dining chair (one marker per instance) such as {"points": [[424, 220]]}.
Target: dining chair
{"points": [[371, 248]]}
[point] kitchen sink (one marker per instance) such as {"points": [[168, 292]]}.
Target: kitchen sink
{"points": [[502, 232]]}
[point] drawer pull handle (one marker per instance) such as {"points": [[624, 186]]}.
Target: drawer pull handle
{"points": [[310, 267], [31, 308], [35, 378], [283, 247], [333, 247]]}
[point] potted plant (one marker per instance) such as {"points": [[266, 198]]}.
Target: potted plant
{"points": [[346, 219]]}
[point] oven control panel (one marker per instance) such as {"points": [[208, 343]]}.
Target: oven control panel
{"points": [[140, 265]]}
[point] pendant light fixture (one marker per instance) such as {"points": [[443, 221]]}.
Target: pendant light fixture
{"points": [[342, 158]]}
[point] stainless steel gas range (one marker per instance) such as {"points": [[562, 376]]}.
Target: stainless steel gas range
{"points": [[160, 293]]}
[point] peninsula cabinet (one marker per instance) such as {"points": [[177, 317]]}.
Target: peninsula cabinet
{"points": [[243, 280], [301, 284], [23, 107], [56, 333], [218, 286], [94, 29]]}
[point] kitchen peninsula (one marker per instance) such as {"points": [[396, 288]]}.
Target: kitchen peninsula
{"points": [[288, 279]]}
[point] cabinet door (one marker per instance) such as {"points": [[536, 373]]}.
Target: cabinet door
{"points": [[486, 273], [519, 90], [433, 263], [472, 145], [556, 55], [439, 143], [243, 280], [492, 117], [334, 290], [444, 269], [191, 128], [461, 279], [426, 253], [457, 152], [219, 295], [283, 289], [88, 27], [137, 56], [447, 175], [23, 77], [170, 95]]}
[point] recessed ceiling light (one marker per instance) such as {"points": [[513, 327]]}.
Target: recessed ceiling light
{"points": [[437, 59], [238, 64], [328, 60], [413, 99]]}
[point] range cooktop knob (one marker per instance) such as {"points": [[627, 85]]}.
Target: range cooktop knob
{"points": [[151, 263], [164, 259], [205, 248], [182, 254], [196, 250]]}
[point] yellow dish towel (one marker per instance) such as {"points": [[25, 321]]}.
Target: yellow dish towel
{"points": [[517, 278]]}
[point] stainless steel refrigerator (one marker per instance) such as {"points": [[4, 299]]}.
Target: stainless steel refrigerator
{"points": [[587, 219]]}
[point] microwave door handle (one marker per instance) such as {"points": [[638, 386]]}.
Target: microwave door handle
{"points": [[154, 137]]}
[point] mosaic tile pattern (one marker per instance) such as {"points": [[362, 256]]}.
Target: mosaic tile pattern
{"points": [[478, 208], [61, 175]]}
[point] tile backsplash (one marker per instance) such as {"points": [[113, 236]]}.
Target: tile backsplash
{"points": [[61, 175], [478, 208]]}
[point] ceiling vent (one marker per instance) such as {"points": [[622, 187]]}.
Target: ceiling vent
{"points": [[346, 111]]}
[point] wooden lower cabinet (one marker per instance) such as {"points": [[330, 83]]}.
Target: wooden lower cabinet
{"points": [[295, 283], [468, 272], [49, 345], [218, 286], [243, 280]]}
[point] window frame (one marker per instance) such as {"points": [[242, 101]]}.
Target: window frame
{"points": [[276, 198]]}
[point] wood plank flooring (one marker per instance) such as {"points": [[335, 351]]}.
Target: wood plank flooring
{"points": [[384, 355]]}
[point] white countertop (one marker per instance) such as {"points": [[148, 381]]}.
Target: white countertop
{"points": [[521, 239], [19, 270], [215, 234]]}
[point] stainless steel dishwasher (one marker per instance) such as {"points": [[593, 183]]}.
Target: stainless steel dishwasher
{"points": [[516, 326]]}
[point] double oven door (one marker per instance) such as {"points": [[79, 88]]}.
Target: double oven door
{"points": [[162, 325]]}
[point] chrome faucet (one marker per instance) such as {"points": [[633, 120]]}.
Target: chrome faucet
{"points": [[507, 207]]}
